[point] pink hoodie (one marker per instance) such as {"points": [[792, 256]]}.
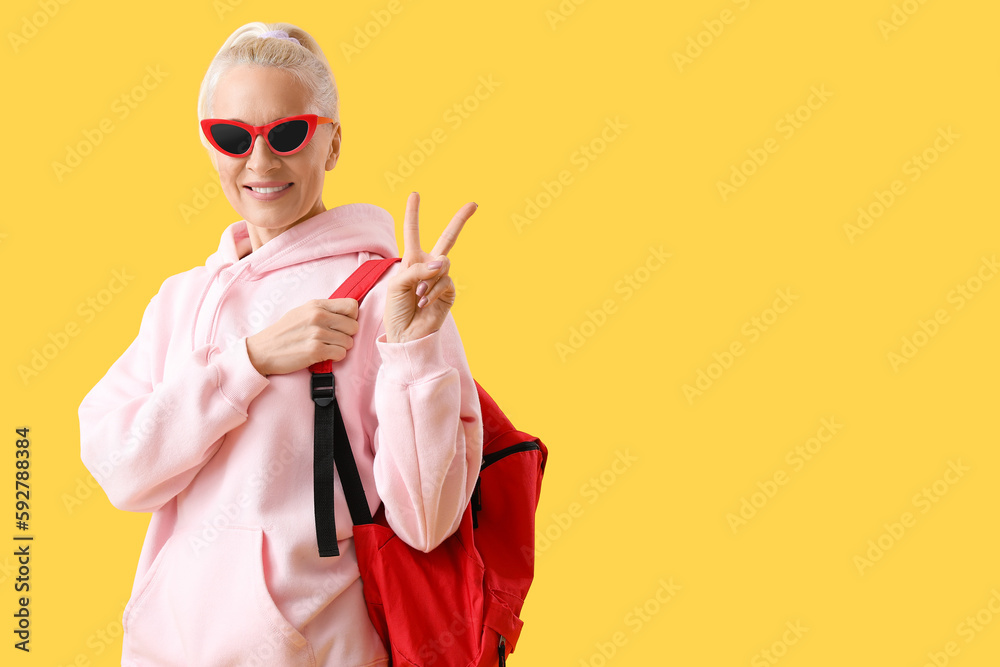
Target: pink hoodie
{"points": [[182, 425]]}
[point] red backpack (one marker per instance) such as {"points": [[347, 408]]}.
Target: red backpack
{"points": [[434, 608]]}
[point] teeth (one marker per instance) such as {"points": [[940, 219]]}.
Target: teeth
{"points": [[267, 190]]}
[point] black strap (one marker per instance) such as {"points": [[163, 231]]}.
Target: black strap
{"points": [[331, 446], [477, 503], [326, 527], [350, 480]]}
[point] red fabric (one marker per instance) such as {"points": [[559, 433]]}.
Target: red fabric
{"points": [[427, 607], [355, 287], [447, 608]]}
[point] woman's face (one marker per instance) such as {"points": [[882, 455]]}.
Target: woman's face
{"points": [[259, 95]]}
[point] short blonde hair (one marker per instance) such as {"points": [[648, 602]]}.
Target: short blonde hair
{"points": [[305, 60]]}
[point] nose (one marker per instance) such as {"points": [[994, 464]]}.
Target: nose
{"points": [[261, 158]]}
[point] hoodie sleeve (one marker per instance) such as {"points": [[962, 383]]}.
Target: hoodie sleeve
{"points": [[429, 439], [144, 437]]}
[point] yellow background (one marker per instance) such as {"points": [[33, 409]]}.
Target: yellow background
{"points": [[523, 291]]}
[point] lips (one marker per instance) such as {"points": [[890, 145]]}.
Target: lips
{"points": [[268, 192]]}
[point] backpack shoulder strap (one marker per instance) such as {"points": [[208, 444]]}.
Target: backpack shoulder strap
{"points": [[331, 447], [356, 287]]}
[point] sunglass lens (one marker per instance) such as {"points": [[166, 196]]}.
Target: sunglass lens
{"points": [[288, 136], [231, 138]]}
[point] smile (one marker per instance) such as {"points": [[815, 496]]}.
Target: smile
{"points": [[268, 193], [269, 190]]}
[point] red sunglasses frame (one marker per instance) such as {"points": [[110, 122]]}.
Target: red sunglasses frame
{"points": [[262, 130]]}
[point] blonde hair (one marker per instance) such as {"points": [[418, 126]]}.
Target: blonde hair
{"points": [[305, 60]]}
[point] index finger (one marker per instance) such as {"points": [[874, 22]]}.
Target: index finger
{"points": [[411, 227], [340, 306], [450, 234]]}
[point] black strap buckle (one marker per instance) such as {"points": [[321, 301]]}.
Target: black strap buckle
{"points": [[322, 389]]}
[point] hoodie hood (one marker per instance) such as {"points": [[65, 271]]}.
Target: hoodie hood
{"points": [[349, 228]]}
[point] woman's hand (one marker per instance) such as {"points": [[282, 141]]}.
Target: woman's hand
{"points": [[318, 329], [419, 296]]}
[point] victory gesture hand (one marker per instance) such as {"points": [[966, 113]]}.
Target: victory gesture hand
{"points": [[419, 296]]}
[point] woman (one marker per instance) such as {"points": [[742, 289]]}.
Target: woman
{"points": [[206, 419]]}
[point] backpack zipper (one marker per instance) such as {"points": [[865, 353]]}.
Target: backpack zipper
{"points": [[490, 459], [493, 457]]}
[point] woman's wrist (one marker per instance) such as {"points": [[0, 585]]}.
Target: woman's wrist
{"points": [[255, 359], [403, 338]]}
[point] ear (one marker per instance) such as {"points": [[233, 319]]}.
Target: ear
{"points": [[331, 158]]}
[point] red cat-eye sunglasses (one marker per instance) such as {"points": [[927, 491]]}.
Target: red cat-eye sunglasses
{"points": [[284, 136]]}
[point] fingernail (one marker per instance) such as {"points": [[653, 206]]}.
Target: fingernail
{"points": [[422, 302], [421, 288], [434, 265]]}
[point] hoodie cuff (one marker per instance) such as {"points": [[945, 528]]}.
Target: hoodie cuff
{"points": [[239, 380], [414, 361]]}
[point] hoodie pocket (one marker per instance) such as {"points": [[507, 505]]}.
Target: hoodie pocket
{"points": [[208, 604]]}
